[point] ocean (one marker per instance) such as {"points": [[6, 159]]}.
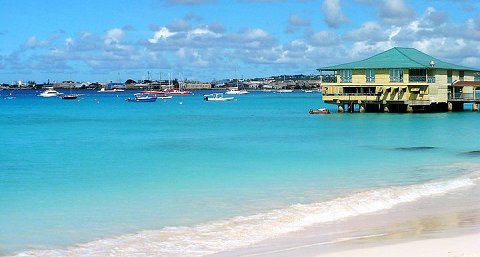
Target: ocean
{"points": [[100, 176]]}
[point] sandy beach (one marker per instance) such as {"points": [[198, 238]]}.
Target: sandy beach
{"points": [[458, 246], [448, 226]]}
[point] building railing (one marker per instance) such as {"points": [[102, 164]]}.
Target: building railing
{"points": [[428, 79], [396, 79], [329, 79], [351, 94], [462, 96], [418, 102]]}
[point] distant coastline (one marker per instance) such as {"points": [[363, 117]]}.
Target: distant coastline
{"points": [[274, 82]]}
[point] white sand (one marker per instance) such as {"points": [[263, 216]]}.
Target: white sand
{"points": [[460, 246], [447, 226]]}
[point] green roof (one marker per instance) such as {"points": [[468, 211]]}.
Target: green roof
{"points": [[398, 57]]}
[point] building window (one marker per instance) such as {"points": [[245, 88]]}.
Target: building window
{"points": [[370, 74], [476, 76], [346, 76], [461, 75], [417, 75], [396, 75], [449, 76]]}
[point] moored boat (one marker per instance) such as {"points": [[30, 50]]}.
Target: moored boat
{"points": [[177, 91], [236, 91], [104, 90], [164, 96], [319, 111], [139, 97], [153, 92], [50, 92], [284, 91], [70, 97], [217, 97]]}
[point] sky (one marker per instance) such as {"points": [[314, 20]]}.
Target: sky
{"points": [[207, 40]]}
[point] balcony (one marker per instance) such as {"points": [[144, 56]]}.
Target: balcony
{"points": [[461, 96], [329, 79], [351, 97], [420, 79]]}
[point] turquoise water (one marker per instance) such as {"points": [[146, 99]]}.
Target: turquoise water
{"points": [[77, 171]]}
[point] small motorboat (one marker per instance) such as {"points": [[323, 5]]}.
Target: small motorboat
{"points": [[236, 91], [139, 97], [70, 97], [153, 92], [177, 91], [104, 90], [50, 92], [319, 111], [284, 91], [165, 97], [217, 97]]}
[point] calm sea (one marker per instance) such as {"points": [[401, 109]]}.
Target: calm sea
{"points": [[102, 176]]}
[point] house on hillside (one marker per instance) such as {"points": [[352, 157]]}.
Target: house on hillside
{"points": [[400, 80]]}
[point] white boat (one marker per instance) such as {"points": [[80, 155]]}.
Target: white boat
{"points": [[235, 91], [177, 91], [164, 97], [139, 97], [103, 90], [217, 97], [50, 92], [284, 91]]}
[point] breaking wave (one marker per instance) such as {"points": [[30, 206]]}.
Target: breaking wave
{"points": [[223, 235]]}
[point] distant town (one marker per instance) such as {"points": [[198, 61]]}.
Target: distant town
{"points": [[275, 82]]}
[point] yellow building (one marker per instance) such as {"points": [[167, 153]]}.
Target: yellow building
{"points": [[400, 80]]}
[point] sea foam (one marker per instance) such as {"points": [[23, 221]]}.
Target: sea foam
{"points": [[223, 235]]}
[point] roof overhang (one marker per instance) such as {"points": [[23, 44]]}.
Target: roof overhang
{"points": [[466, 83]]}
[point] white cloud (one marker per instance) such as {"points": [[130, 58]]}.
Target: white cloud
{"points": [[33, 42], [369, 31], [396, 12], [332, 12], [324, 38], [188, 45], [161, 34], [297, 21], [114, 36], [69, 42], [203, 32]]}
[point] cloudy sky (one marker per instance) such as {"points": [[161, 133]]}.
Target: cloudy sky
{"points": [[215, 39]]}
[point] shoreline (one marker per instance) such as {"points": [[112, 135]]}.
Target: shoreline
{"points": [[447, 226], [365, 220]]}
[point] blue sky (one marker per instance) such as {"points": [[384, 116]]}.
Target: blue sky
{"points": [[215, 39]]}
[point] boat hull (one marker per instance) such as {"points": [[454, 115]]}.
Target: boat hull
{"points": [[150, 99]]}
